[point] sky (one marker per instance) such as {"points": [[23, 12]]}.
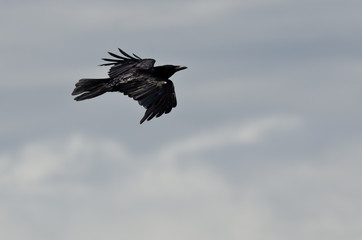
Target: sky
{"points": [[265, 142]]}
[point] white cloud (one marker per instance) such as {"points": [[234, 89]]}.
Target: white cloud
{"points": [[235, 134], [103, 186], [39, 161], [101, 190]]}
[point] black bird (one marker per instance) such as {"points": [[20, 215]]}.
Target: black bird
{"points": [[137, 78]]}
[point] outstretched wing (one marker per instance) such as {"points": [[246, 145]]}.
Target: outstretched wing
{"points": [[158, 97], [122, 64]]}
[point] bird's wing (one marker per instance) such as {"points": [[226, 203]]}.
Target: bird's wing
{"points": [[122, 64], [158, 97]]}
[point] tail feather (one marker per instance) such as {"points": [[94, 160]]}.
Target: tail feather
{"points": [[90, 88]]}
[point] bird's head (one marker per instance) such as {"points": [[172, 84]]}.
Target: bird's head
{"points": [[167, 71]]}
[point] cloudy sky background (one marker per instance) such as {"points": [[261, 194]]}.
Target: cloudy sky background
{"points": [[265, 142]]}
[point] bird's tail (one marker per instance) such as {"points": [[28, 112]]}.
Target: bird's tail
{"points": [[90, 88]]}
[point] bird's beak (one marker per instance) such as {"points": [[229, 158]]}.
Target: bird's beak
{"points": [[179, 68]]}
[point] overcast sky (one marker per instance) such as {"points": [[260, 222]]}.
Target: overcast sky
{"points": [[265, 143]]}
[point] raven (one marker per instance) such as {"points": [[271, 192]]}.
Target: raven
{"points": [[137, 78]]}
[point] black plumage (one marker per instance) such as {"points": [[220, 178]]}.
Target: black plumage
{"points": [[137, 78]]}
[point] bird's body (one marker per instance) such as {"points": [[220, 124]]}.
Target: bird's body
{"points": [[137, 78]]}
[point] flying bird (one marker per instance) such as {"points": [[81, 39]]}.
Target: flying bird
{"points": [[137, 78]]}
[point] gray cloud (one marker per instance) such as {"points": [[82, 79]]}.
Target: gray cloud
{"points": [[264, 143]]}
